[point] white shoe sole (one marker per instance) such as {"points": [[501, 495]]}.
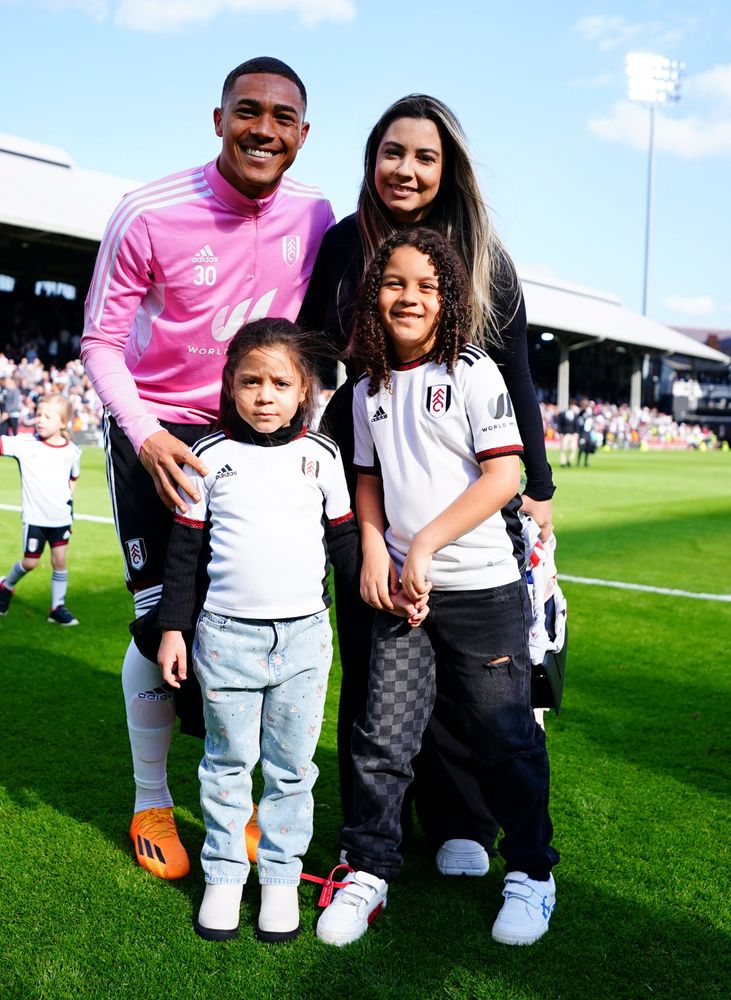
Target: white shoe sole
{"points": [[511, 937], [340, 938]]}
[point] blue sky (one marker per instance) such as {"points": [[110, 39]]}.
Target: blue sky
{"points": [[128, 87]]}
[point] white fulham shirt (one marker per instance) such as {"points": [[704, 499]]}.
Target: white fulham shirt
{"points": [[426, 438], [46, 471], [266, 508]]}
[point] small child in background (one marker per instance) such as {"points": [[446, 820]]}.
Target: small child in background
{"points": [[437, 453], [49, 468], [277, 503]]}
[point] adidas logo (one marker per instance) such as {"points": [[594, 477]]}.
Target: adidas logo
{"points": [[225, 471], [156, 694], [205, 256], [380, 414]]}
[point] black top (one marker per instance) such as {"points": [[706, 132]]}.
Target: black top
{"points": [[330, 304]]}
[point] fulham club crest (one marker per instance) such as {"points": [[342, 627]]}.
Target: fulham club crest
{"points": [[291, 249], [310, 467], [136, 552], [438, 399]]}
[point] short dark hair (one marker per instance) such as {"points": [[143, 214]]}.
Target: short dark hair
{"points": [[263, 64]]}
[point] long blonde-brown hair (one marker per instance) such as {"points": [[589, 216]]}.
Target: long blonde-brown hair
{"points": [[458, 212]]}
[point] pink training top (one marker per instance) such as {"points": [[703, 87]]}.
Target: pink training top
{"points": [[184, 261]]}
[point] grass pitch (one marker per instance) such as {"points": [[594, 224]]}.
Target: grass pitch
{"points": [[639, 802]]}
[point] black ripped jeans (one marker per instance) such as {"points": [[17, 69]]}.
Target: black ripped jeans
{"points": [[463, 635]]}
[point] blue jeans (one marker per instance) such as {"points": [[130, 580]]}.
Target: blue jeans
{"points": [[476, 641], [264, 686]]}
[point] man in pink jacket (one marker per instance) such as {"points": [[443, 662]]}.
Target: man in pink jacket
{"points": [[185, 261]]}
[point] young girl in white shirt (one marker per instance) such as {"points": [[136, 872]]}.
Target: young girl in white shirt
{"points": [[277, 504]]}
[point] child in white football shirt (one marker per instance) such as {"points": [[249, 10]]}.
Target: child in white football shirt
{"points": [[277, 503], [437, 454], [49, 468]]}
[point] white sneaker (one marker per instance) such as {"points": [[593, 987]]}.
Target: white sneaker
{"points": [[462, 857], [353, 908], [526, 911]]}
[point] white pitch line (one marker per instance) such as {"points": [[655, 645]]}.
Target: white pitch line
{"points": [[586, 580], [77, 517], [590, 581]]}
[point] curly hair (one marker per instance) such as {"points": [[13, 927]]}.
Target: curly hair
{"points": [[266, 334], [369, 345]]}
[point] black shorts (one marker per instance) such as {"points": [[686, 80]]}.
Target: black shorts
{"points": [[35, 537], [143, 521]]}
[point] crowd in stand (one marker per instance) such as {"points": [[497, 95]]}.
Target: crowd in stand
{"points": [[613, 426], [25, 382]]}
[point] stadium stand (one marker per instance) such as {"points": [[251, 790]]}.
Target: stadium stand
{"points": [[583, 343]]}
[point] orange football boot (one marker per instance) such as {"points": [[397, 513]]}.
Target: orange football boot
{"points": [[253, 835], [157, 844]]}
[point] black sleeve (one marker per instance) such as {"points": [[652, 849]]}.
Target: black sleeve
{"points": [[343, 546], [177, 606], [512, 358], [313, 309], [330, 300]]}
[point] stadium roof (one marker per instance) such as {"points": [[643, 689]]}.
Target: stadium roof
{"points": [[53, 205], [585, 314], [41, 188]]}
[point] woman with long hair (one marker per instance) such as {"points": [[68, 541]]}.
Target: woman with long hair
{"points": [[418, 170]]}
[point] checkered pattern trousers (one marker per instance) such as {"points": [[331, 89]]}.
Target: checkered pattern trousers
{"points": [[463, 634]]}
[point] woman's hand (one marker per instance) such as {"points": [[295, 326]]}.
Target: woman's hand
{"points": [[172, 658], [542, 513]]}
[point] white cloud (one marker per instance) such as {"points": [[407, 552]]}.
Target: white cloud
{"points": [[712, 85], [158, 15], [607, 32], [164, 15], [700, 305], [690, 137]]}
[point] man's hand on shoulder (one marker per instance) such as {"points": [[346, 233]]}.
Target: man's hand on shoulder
{"points": [[163, 456]]}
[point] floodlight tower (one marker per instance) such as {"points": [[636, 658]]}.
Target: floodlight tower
{"points": [[651, 80]]}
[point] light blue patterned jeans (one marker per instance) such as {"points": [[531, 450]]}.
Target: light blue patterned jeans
{"points": [[264, 686]]}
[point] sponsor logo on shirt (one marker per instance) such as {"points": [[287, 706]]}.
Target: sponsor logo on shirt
{"points": [[205, 256], [136, 552], [438, 400], [226, 471], [225, 324], [290, 250], [380, 414], [310, 467], [500, 406]]}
